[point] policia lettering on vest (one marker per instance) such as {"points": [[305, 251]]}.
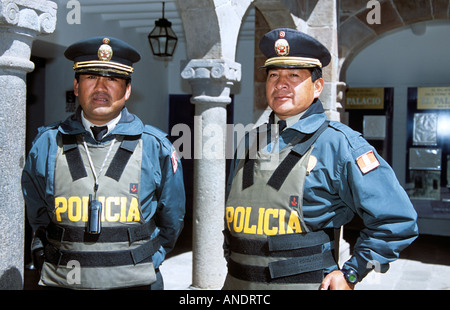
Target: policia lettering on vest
{"points": [[101, 188], [287, 198], [76, 209]]}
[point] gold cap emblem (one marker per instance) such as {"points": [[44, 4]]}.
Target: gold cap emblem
{"points": [[281, 45], [105, 51]]}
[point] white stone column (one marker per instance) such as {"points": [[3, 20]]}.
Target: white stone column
{"points": [[210, 80], [20, 22], [322, 24]]}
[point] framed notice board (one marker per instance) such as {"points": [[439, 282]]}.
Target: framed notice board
{"points": [[428, 157], [369, 111]]}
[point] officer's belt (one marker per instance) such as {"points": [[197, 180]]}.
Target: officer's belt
{"points": [[108, 234], [280, 174], [141, 254]]}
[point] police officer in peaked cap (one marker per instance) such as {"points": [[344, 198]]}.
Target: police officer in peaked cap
{"points": [[287, 197], [104, 192]]}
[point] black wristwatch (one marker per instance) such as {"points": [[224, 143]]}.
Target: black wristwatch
{"points": [[350, 275]]}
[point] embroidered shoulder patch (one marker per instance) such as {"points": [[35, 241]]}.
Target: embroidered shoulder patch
{"points": [[174, 161], [367, 162]]}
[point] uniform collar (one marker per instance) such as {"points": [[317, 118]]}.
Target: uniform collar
{"points": [[128, 124], [315, 108], [111, 124], [290, 120], [306, 122]]}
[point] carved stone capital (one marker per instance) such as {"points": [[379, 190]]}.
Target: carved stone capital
{"points": [[36, 15], [211, 79], [215, 69], [20, 22]]}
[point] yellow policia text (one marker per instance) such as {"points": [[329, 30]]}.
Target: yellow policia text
{"points": [[270, 221], [115, 209]]}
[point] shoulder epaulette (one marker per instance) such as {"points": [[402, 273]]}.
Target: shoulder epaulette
{"points": [[353, 137], [148, 129], [44, 129]]}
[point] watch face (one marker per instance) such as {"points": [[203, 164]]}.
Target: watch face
{"points": [[351, 276]]}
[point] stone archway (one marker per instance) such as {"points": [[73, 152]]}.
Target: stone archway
{"points": [[355, 33]]}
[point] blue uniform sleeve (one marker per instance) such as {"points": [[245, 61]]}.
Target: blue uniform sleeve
{"points": [[36, 176], [162, 190], [171, 205], [371, 189]]}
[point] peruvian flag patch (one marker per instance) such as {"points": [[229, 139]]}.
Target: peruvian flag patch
{"points": [[367, 162]]}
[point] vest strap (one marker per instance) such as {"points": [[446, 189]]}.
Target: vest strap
{"points": [[251, 146], [141, 254], [118, 163], [303, 260], [122, 156], [289, 245], [298, 151], [298, 265], [308, 269], [73, 156], [281, 173], [298, 241], [262, 274], [109, 234], [248, 172]]}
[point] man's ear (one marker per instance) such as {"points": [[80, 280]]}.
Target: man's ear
{"points": [[318, 87], [75, 87], [128, 91]]}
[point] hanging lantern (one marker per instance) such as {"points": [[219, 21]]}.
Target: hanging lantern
{"points": [[162, 38]]}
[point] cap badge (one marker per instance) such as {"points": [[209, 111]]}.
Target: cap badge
{"points": [[281, 45], [105, 51]]}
